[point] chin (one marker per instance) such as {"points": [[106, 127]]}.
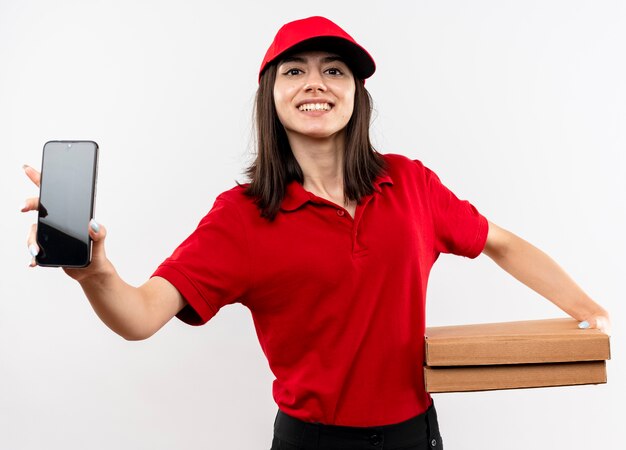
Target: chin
{"points": [[318, 133]]}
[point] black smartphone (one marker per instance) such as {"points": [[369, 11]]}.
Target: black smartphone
{"points": [[66, 203]]}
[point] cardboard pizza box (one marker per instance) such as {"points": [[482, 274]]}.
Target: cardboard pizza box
{"points": [[512, 376], [513, 355], [526, 342]]}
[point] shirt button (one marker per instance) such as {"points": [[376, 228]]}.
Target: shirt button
{"points": [[340, 212], [433, 443], [375, 439]]}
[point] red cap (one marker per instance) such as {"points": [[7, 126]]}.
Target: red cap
{"points": [[319, 33]]}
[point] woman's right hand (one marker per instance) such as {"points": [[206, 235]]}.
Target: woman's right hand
{"points": [[99, 262], [132, 312]]}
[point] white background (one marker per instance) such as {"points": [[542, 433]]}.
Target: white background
{"points": [[519, 106]]}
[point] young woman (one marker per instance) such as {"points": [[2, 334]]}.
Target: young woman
{"points": [[330, 246]]}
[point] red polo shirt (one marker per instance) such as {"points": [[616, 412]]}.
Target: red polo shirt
{"points": [[337, 302]]}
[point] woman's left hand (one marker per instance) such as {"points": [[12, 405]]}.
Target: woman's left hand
{"points": [[599, 321]]}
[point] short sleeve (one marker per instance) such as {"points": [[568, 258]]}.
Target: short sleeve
{"points": [[459, 227], [210, 267]]}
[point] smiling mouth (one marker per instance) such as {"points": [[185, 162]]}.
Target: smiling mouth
{"points": [[315, 107]]}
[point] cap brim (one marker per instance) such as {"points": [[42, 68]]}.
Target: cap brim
{"points": [[355, 56]]}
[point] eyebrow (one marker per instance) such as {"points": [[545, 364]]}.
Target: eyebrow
{"points": [[300, 59]]}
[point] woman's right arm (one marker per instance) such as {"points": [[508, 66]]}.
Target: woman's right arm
{"points": [[134, 313]]}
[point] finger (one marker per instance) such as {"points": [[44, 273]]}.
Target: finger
{"points": [[33, 248], [33, 263], [31, 204], [97, 233], [33, 174], [602, 323]]}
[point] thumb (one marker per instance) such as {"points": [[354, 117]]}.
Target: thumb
{"points": [[602, 323], [598, 321], [97, 233]]}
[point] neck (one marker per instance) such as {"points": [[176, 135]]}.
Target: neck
{"points": [[321, 161]]}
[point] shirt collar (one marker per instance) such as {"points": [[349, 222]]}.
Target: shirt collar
{"points": [[296, 196]]}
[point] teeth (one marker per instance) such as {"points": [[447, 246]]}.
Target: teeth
{"points": [[315, 107]]}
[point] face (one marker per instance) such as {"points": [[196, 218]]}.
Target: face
{"points": [[314, 95]]}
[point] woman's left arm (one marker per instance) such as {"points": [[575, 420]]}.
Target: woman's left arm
{"points": [[542, 274]]}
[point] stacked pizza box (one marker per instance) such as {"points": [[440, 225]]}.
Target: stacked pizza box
{"points": [[509, 355]]}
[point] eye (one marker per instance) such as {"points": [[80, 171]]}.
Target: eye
{"points": [[292, 72], [335, 71]]}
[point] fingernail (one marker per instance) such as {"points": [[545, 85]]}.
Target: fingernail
{"points": [[583, 325], [25, 167], [22, 206], [33, 250], [94, 226]]}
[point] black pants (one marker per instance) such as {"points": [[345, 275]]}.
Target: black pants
{"points": [[419, 433]]}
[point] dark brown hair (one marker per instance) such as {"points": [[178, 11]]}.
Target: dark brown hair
{"points": [[275, 165]]}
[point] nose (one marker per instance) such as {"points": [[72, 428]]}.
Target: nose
{"points": [[314, 82]]}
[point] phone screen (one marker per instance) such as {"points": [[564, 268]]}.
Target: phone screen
{"points": [[66, 203]]}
